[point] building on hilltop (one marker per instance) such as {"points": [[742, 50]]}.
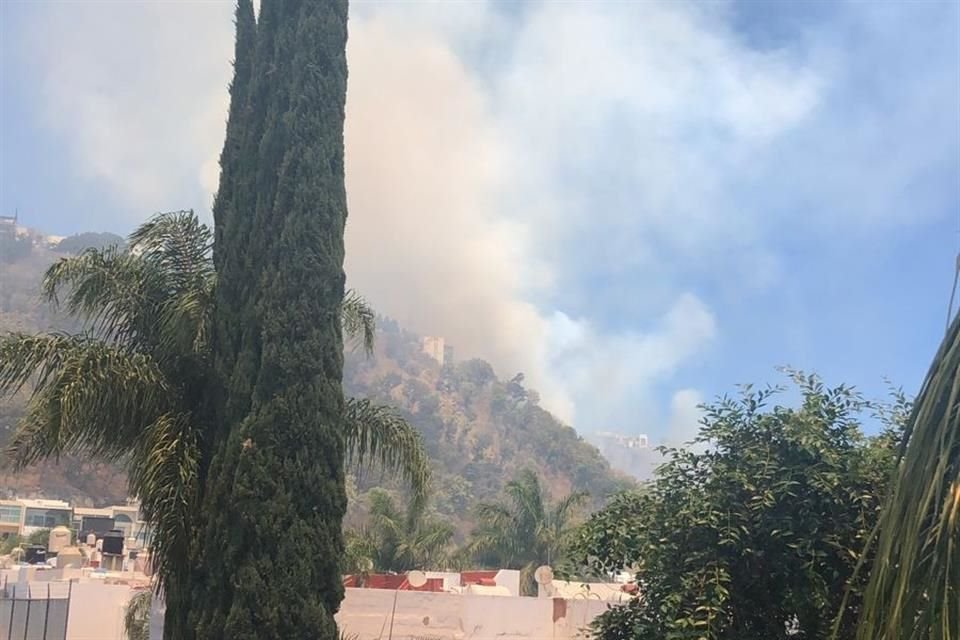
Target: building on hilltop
{"points": [[631, 454], [8, 225], [435, 347], [640, 441]]}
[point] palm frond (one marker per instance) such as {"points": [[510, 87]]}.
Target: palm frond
{"points": [[914, 587], [185, 320], [136, 615], [112, 290], [359, 320], [566, 508], [178, 243], [163, 474], [376, 434], [360, 549], [427, 546], [89, 397]]}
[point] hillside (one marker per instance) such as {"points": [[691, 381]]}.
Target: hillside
{"points": [[478, 429], [22, 263]]}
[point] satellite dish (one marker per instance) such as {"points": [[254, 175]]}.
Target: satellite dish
{"points": [[543, 575], [416, 579]]}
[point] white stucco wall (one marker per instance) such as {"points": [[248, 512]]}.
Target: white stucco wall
{"points": [[447, 616], [96, 611], [443, 616]]}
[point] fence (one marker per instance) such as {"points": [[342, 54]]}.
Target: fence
{"points": [[35, 611]]}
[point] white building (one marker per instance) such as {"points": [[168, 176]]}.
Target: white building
{"points": [[45, 514], [433, 346]]}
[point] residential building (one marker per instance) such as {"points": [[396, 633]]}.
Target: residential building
{"points": [[11, 518], [45, 514]]}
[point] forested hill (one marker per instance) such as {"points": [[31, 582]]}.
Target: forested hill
{"points": [[479, 430]]}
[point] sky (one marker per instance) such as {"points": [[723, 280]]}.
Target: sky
{"points": [[639, 205]]}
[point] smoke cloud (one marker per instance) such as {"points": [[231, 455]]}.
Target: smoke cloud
{"points": [[559, 188]]}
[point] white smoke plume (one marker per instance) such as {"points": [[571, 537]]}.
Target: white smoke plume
{"points": [[540, 183]]}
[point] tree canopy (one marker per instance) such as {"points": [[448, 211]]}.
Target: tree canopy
{"points": [[525, 531], [755, 530]]}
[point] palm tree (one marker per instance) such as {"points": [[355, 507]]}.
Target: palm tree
{"points": [[136, 615], [131, 388], [398, 541], [525, 532], [914, 587]]}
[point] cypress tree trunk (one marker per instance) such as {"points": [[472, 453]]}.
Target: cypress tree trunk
{"points": [[267, 554]]}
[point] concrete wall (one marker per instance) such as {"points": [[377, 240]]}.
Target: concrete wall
{"points": [[96, 611], [95, 608], [366, 613], [444, 616]]}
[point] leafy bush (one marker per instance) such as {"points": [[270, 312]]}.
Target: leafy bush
{"points": [[755, 530]]}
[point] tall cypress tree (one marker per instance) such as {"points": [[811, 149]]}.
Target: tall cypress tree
{"points": [[267, 554]]}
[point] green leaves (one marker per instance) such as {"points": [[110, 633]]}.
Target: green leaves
{"points": [[759, 528], [358, 319], [396, 541], [525, 532], [374, 433], [89, 397]]}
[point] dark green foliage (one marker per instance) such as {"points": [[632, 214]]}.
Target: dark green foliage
{"points": [[88, 240], [758, 528], [270, 553], [524, 531], [395, 540]]}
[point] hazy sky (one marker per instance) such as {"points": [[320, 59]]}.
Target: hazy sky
{"points": [[637, 204]]}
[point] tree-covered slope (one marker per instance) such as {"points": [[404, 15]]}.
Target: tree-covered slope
{"points": [[479, 430]]}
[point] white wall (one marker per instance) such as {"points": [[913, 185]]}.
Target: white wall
{"points": [[449, 616], [367, 613], [96, 611]]}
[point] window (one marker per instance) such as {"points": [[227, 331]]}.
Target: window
{"points": [[46, 518], [10, 514], [123, 522]]}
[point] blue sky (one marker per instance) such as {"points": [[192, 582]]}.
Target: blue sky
{"points": [[639, 204]]}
